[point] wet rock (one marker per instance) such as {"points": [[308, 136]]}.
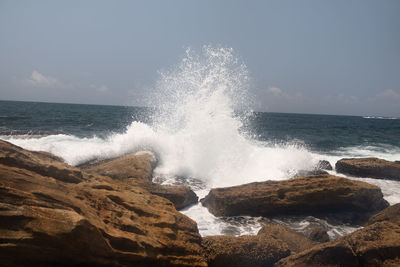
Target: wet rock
{"points": [[390, 214], [295, 241], [310, 195], [259, 250], [369, 167], [319, 169], [302, 173], [316, 233], [375, 245], [324, 165], [47, 220], [139, 166]]}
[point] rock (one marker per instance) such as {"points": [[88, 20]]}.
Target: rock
{"points": [[260, 250], [375, 245], [137, 169], [52, 214], [369, 167], [316, 233], [390, 214], [139, 166], [295, 241], [324, 165], [311, 195], [180, 196]]}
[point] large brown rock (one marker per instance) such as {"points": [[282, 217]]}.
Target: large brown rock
{"points": [[137, 169], [310, 195], [369, 167], [390, 214], [259, 250], [375, 245], [295, 241], [54, 214]]}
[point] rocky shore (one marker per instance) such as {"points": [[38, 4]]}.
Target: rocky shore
{"points": [[55, 214], [110, 213]]}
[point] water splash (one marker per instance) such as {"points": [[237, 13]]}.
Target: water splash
{"points": [[196, 131], [198, 103]]}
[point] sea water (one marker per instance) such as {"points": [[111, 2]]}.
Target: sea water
{"points": [[200, 125]]}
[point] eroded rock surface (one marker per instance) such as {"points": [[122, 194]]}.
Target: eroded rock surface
{"points": [[369, 167], [55, 214], [310, 195], [375, 245]]}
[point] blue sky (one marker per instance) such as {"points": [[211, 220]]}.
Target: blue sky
{"points": [[312, 56]]}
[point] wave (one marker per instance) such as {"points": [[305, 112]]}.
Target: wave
{"points": [[25, 134], [195, 131], [381, 118]]}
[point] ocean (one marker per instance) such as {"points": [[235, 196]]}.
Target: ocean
{"points": [[273, 145], [204, 134]]}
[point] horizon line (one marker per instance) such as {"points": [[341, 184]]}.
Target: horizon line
{"points": [[259, 111]]}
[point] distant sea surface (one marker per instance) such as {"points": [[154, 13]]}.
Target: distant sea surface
{"points": [[319, 133]]}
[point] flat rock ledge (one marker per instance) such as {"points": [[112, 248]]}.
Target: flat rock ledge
{"points": [[309, 195], [369, 167], [52, 214]]}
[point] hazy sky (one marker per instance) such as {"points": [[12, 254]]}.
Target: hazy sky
{"points": [[326, 57]]}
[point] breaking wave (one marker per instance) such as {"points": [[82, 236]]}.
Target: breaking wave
{"points": [[197, 130]]}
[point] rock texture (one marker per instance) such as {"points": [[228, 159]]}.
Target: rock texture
{"points": [[311, 195], [375, 245], [139, 166], [390, 214], [369, 167], [260, 250], [137, 169], [53, 214], [295, 241]]}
